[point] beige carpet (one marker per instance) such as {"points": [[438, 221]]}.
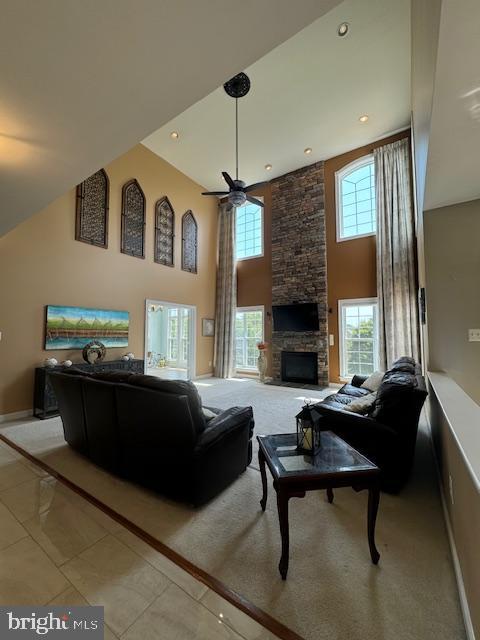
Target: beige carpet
{"points": [[332, 591]]}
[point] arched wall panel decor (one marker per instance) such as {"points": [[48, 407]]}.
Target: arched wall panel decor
{"points": [[163, 251], [133, 220], [91, 218], [189, 242]]}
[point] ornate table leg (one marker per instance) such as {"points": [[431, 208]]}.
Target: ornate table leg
{"points": [[373, 500], [282, 505], [330, 494], [263, 473]]}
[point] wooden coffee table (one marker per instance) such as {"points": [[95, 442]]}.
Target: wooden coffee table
{"points": [[336, 465]]}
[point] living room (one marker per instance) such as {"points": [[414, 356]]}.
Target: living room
{"points": [[169, 353]]}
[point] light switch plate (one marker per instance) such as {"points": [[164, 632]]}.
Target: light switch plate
{"points": [[331, 339], [474, 335]]}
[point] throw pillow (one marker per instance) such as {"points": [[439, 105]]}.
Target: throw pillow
{"points": [[362, 405], [373, 381], [209, 415]]}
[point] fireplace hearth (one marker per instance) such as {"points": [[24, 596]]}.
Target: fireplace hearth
{"points": [[300, 367]]}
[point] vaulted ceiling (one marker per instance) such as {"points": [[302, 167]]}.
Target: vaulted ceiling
{"points": [[81, 82], [308, 92]]}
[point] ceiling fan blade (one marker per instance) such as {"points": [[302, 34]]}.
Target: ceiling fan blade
{"points": [[228, 180], [215, 193], [257, 185], [255, 201]]}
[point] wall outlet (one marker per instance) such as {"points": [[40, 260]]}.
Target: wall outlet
{"points": [[474, 335], [331, 340], [450, 488]]}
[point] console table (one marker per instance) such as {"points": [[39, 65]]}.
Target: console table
{"points": [[44, 400]]}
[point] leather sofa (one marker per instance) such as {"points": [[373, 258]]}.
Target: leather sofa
{"points": [[154, 432], [386, 434]]}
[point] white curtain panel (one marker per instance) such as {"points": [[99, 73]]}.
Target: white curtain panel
{"points": [[226, 293], [396, 271]]}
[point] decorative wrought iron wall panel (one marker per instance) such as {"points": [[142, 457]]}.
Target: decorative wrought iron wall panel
{"points": [[91, 220], [133, 220], [164, 232], [189, 242]]}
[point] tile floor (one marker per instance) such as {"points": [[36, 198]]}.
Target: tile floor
{"points": [[57, 548]]}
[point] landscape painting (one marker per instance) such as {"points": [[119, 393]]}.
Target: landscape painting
{"points": [[73, 327]]}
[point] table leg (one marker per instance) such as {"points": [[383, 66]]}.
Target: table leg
{"points": [[373, 500], [282, 505], [330, 494], [263, 473]]}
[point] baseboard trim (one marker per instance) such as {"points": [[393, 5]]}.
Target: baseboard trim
{"points": [[16, 415], [467, 619], [204, 375]]}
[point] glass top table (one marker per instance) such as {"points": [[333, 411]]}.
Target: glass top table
{"points": [[336, 464], [334, 456]]}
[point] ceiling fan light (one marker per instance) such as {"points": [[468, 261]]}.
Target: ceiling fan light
{"points": [[237, 198]]}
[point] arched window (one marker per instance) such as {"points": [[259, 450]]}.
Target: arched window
{"points": [[355, 199], [91, 220], [164, 232], [133, 220], [189, 243]]}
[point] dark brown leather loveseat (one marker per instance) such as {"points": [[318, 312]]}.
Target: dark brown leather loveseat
{"points": [[387, 433], [154, 432]]}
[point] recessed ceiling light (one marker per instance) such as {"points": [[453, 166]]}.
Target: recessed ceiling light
{"points": [[174, 135], [363, 118], [307, 151], [268, 167], [343, 29]]}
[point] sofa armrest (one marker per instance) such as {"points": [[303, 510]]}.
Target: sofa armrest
{"points": [[357, 380], [225, 423], [349, 419]]}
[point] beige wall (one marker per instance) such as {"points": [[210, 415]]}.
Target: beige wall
{"points": [[41, 263], [452, 255]]}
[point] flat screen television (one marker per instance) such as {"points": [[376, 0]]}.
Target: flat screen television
{"points": [[295, 317]]}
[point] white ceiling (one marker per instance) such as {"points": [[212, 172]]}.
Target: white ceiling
{"points": [[454, 149], [308, 92], [82, 81]]}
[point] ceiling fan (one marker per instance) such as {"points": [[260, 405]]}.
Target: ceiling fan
{"points": [[237, 87]]}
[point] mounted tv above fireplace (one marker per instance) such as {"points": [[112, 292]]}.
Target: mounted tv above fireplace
{"points": [[295, 317]]}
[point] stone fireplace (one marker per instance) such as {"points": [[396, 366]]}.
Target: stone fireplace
{"points": [[299, 266]]}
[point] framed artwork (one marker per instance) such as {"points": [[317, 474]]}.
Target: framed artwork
{"points": [[91, 220], [133, 220], [208, 327], [74, 327]]}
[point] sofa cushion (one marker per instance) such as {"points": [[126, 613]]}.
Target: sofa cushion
{"points": [[338, 400], [352, 391], [406, 367], [393, 396], [362, 405], [373, 381], [177, 387]]}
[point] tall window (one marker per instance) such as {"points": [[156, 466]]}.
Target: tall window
{"points": [[355, 199], [248, 331], [249, 231], [178, 336], [172, 335], [358, 337]]}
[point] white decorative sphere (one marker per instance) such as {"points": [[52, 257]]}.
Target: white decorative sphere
{"points": [[51, 362], [67, 363], [130, 355], [125, 358]]}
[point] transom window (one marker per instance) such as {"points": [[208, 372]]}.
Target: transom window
{"points": [[249, 231], [358, 321], [248, 332], [355, 199]]}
